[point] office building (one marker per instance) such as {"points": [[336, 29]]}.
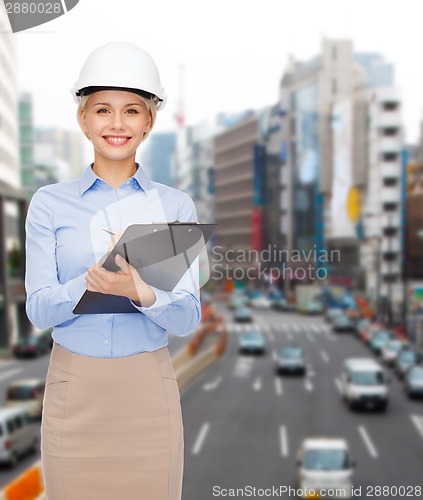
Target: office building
{"points": [[13, 320]]}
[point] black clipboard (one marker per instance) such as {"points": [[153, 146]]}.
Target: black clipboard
{"points": [[161, 252]]}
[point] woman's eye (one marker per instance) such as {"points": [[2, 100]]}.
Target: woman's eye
{"points": [[102, 110], [132, 111]]}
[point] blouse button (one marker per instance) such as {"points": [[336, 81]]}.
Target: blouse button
{"points": [[106, 341]]}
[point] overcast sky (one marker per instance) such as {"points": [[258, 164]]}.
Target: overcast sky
{"points": [[234, 52]]}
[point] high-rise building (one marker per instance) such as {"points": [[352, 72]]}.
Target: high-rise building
{"points": [[384, 197], [344, 138], [238, 163], [59, 152], [26, 143], [158, 158], [13, 320]]}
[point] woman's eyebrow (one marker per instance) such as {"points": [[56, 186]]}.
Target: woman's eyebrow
{"points": [[108, 104]]}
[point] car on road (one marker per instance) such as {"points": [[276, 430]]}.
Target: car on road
{"points": [[342, 323], [252, 342], [379, 340], [406, 358], [325, 463], [360, 326], [311, 307], [282, 305], [19, 435], [290, 359], [236, 299], [27, 393], [260, 302], [413, 382], [243, 314], [34, 345], [372, 328], [364, 384], [331, 313], [391, 350]]}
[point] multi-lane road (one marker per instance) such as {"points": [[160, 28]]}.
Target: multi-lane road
{"points": [[243, 424]]}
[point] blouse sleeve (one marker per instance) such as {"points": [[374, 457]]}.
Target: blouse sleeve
{"points": [[179, 311], [48, 302]]}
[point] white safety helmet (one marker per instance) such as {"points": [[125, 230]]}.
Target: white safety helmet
{"points": [[120, 66]]}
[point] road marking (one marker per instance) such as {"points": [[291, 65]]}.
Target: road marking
{"points": [[243, 366], [289, 335], [310, 372], [237, 327], [338, 385], [10, 373], [212, 385], [325, 357], [257, 384], [7, 364], [330, 335], [368, 442], [309, 336], [270, 336], [418, 422], [296, 328], [308, 385], [283, 439], [200, 438], [274, 355], [278, 386]]}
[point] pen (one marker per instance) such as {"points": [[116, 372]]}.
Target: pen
{"points": [[110, 231]]}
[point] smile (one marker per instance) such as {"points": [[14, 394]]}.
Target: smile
{"points": [[116, 140]]}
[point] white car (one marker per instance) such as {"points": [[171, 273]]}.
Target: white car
{"points": [[28, 393], [364, 384], [325, 468], [390, 350], [260, 302]]}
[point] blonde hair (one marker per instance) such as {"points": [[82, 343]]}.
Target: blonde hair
{"points": [[149, 103]]}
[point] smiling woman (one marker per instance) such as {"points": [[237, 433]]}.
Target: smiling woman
{"points": [[112, 422]]}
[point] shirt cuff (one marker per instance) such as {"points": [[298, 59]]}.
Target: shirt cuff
{"points": [[162, 299], [77, 288]]}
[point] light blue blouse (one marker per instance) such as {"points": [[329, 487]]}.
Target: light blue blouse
{"points": [[65, 237]]}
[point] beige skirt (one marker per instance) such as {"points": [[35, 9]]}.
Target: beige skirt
{"points": [[112, 428]]}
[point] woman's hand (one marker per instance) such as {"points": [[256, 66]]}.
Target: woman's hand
{"points": [[126, 282]]}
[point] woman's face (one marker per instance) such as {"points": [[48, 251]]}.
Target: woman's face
{"points": [[115, 122]]}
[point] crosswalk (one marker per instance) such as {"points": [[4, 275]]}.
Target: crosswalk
{"points": [[310, 330]]}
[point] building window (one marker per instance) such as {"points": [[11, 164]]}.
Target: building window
{"points": [[389, 131], [390, 206], [390, 157], [390, 182], [390, 232], [390, 106]]}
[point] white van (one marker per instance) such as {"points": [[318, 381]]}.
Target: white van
{"points": [[325, 468], [364, 384], [18, 435]]}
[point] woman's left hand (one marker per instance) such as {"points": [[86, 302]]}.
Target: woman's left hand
{"points": [[126, 282]]}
